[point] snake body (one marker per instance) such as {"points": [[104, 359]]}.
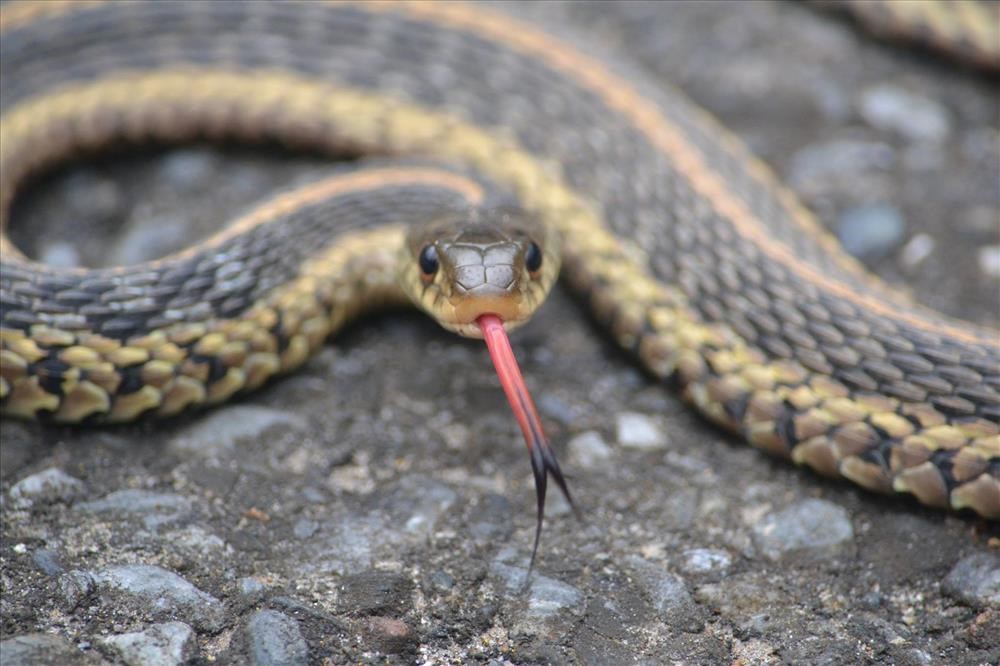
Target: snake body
{"points": [[684, 246]]}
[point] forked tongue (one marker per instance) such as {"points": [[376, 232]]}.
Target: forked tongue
{"points": [[543, 458]]}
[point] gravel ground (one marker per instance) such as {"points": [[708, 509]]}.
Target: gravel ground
{"points": [[377, 507]]}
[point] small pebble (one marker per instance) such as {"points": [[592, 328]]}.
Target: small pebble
{"points": [[275, 639], [918, 118], [989, 261], [46, 487], [442, 580], [870, 232], [166, 644], [74, 587], [916, 250], [809, 531], [305, 528], [705, 560], [159, 593], [668, 594], [588, 450], [547, 597], [638, 431], [390, 635], [250, 587], [975, 580], [48, 562], [59, 254]]}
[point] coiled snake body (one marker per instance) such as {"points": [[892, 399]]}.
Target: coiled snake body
{"points": [[681, 242]]}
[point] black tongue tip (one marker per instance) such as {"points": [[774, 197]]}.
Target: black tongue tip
{"points": [[544, 463]]}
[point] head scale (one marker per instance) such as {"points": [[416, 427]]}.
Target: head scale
{"points": [[479, 261]]}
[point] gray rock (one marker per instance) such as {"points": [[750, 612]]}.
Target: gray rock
{"points": [[638, 431], [161, 594], [275, 639], [588, 450], [155, 508], [870, 232], [218, 433], [810, 531], [913, 116], [38, 650], [45, 487], [166, 644], [668, 594], [547, 597], [975, 580]]}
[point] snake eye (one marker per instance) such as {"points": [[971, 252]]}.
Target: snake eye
{"points": [[428, 260], [533, 258]]}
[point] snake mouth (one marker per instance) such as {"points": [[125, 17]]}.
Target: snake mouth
{"points": [[465, 312]]}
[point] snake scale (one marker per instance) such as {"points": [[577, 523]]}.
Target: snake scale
{"points": [[683, 245]]}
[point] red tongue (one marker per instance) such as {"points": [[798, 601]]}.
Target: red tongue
{"points": [[543, 458]]}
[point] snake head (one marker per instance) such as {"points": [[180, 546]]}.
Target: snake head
{"points": [[479, 261]]}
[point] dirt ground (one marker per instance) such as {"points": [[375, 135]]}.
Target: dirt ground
{"points": [[377, 506]]}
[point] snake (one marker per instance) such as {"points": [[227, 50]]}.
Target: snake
{"points": [[499, 150]]}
